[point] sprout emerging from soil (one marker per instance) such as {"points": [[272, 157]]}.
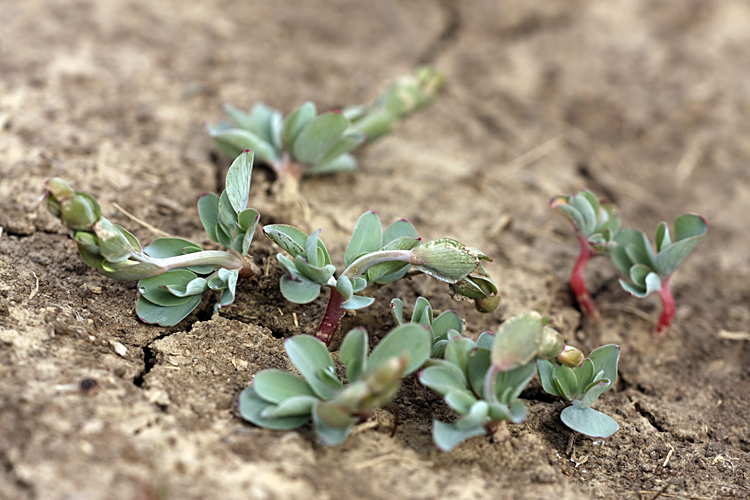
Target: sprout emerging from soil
{"points": [[305, 143], [650, 271], [481, 380], [173, 273], [372, 256], [596, 224], [282, 401], [582, 385]]}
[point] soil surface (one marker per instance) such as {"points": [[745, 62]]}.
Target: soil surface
{"points": [[645, 103]]}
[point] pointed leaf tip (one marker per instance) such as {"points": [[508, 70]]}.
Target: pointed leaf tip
{"points": [[247, 151]]}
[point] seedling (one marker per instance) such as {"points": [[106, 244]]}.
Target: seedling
{"points": [[372, 256], [446, 326], [481, 380], [651, 271], [582, 385], [596, 224], [304, 142], [174, 273], [282, 401]]}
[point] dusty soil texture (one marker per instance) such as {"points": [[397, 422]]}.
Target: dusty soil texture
{"points": [[646, 103]]}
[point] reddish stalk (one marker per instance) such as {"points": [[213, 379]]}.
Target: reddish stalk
{"points": [[667, 311], [331, 319], [578, 282]]}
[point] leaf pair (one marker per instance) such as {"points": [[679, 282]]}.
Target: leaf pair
{"points": [[281, 400], [474, 388], [598, 222], [317, 144], [635, 257], [582, 385], [446, 326]]}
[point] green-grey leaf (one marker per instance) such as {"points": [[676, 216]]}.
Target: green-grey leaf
{"points": [[238, 181], [353, 353], [194, 287], [510, 384], [457, 352], [251, 406], [152, 313], [287, 237], [589, 422], [479, 363], [294, 406], [332, 424], [566, 382], [445, 259], [311, 357], [460, 401], [294, 122], [299, 289], [448, 436], [414, 340], [367, 237], [517, 341], [234, 141], [319, 275], [162, 248], [114, 246], [318, 137], [276, 385], [447, 320], [238, 117], [441, 379], [594, 391], [546, 375], [343, 163], [606, 358], [397, 309], [398, 229], [357, 302], [154, 289], [584, 375]]}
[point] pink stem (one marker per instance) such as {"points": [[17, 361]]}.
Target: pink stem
{"points": [[667, 311], [331, 319], [578, 282]]}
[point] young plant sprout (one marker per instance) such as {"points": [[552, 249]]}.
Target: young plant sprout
{"points": [[174, 273], [582, 385], [304, 142], [372, 256], [650, 272], [446, 326], [596, 224], [282, 401], [481, 380]]}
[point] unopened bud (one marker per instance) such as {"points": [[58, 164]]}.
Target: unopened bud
{"points": [[77, 211], [446, 259], [551, 343], [571, 356]]}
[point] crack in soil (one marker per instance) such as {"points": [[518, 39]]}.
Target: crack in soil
{"points": [[448, 34], [9, 469]]}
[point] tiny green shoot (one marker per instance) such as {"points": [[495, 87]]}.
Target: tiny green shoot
{"points": [[582, 385], [481, 380], [650, 271], [173, 273], [373, 255], [283, 401], [305, 142], [596, 223]]}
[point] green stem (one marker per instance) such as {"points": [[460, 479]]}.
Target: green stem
{"points": [[215, 258], [359, 266]]}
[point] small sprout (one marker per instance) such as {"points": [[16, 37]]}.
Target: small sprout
{"points": [[305, 142], [443, 328], [173, 273], [401, 98], [650, 271], [481, 380], [282, 401], [582, 385], [373, 255], [596, 224]]}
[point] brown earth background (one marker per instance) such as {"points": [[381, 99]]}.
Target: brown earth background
{"points": [[646, 103]]}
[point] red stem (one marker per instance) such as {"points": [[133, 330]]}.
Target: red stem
{"points": [[331, 319], [578, 282], [667, 311]]}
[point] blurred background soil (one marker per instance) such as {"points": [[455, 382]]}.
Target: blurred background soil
{"points": [[646, 103]]}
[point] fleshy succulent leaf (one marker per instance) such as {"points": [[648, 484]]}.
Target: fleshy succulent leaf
{"points": [[275, 386], [319, 137], [353, 353], [294, 122], [238, 181], [589, 422], [414, 341], [448, 436], [311, 357], [152, 313], [251, 406], [367, 237]]}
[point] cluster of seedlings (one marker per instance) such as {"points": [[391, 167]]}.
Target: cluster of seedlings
{"points": [[480, 380]]}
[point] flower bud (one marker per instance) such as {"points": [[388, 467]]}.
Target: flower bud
{"points": [[446, 259], [571, 356], [480, 287], [551, 343], [77, 211]]}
